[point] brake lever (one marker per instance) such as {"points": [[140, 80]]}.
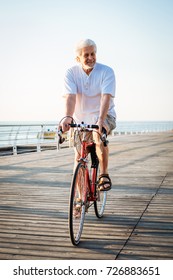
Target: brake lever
{"points": [[104, 140], [60, 138], [104, 137]]}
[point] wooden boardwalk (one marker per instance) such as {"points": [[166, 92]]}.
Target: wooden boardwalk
{"points": [[138, 220]]}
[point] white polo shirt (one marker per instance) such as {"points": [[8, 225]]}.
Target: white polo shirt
{"points": [[89, 89]]}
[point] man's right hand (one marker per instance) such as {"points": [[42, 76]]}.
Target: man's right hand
{"points": [[65, 124]]}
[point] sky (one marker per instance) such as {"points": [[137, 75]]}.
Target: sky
{"points": [[37, 39]]}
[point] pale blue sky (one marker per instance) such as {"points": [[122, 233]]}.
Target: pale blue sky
{"points": [[37, 38]]}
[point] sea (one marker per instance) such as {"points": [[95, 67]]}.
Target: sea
{"points": [[23, 133]]}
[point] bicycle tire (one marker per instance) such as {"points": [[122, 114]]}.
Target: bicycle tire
{"points": [[100, 203], [78, 192]]}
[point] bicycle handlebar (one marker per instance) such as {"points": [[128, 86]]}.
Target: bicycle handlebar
{"points": [[83, 125]]}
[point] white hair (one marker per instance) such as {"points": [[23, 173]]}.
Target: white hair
{"points": [[84, 43]]}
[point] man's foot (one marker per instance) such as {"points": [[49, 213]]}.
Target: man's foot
{"points": [[104, 182]]}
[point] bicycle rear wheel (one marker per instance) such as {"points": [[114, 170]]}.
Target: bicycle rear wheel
{"points": [[100, 203], [77, 204]]}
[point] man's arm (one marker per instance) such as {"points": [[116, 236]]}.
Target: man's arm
{"points": [[104, 107], [69, 111]]}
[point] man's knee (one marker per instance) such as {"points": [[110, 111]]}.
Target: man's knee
{"points": [[96, 138]]}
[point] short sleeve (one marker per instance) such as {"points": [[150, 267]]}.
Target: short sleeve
{"points": [[69, 86], [108, 82]]}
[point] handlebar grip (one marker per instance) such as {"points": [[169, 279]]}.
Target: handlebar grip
{"points": [[73, 125], [94, 126]]}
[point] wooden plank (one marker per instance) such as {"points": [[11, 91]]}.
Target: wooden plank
{"points": [[138, 220]]}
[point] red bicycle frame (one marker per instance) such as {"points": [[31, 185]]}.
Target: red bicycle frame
{"points": [[89, 181]]}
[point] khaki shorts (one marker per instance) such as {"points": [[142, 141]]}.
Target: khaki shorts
{"points": [[109, 125]]}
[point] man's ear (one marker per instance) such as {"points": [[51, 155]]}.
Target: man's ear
{"points": [[77, 58]]}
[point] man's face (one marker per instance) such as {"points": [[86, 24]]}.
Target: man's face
{"points": [[87, 57]]}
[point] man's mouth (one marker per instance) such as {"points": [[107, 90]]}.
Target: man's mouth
{"points": [[90, 62]]}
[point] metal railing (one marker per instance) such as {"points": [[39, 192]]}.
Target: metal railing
{"points": [[16, 139], [21, 138]]}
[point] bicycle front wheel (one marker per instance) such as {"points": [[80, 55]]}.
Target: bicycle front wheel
{"points": [[77, 204]]}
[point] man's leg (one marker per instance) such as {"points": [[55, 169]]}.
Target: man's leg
{"points": [[102, 153], [103, 156]]}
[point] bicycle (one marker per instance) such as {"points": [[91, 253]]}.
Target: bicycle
{"points": [[84, 192]]}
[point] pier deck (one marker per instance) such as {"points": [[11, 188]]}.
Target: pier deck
{"points": [[138, 220]]}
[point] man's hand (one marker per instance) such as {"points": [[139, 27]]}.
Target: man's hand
{"points": [[104, 107], [100, 124], [64, 125], [69, 110]]}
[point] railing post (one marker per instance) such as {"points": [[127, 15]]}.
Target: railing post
{"points": [[39, 136], [38, 148], [14, 150]]}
